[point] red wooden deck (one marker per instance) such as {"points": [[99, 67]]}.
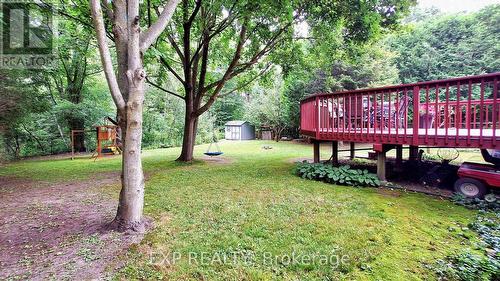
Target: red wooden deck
{"points": [[458, 112]]}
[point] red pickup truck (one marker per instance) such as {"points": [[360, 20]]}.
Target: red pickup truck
{"points": [[476, 180]]}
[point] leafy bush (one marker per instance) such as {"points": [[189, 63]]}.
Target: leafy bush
{"points": [[343, 175]]}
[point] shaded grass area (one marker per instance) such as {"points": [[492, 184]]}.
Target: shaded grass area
{"points": [[265, 220]]}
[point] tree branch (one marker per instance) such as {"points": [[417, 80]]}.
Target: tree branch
{"points": [[262, 72], [225, 23], [244, 66], [176, 46], [227, 74], [149, 12], [83, 22], [267, 48], [93, 73], [63, 64], [163, 89], [105, 55], [195, 11], [152, 33], [108, 10], [167, 65], [33, 137], [204, 64]]}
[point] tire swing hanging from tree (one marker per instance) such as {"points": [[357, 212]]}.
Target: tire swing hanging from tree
{"points": [[215, 142]]}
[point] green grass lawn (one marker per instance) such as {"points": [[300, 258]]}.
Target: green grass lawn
{"points": [[256, 213]]}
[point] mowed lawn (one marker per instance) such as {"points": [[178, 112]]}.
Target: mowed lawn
{"points": [[251, 218]]}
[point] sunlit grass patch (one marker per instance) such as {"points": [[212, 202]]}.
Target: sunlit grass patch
{"points": [[253, 219]]}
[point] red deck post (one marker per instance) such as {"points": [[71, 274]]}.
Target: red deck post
{"points": [[416, 108], [316, 118], [494, 109]]}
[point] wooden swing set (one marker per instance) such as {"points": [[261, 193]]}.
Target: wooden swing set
{"points": [[107, 137]]}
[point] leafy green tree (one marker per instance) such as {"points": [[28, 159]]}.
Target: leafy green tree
{"points": [[449, 46], [372, 65], [269, 107], [230, 107], [66, 83], [18, 99], [35, 122], [215, 41], [162, 125], [66, 92]]}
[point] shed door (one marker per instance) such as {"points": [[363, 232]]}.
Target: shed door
{"points": [[236, 133], [233, 132]]}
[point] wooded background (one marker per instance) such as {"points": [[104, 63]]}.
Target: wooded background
{"points": [[39, 108]]}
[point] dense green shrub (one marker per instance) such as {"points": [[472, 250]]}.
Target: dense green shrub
{"points": [[336, 175]]}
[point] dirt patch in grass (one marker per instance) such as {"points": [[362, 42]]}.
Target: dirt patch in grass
{"points": [[217, 160], [56, 156], [430, 190], [58, 230]]}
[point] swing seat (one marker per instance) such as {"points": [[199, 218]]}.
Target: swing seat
{"points": [[214, 153]]}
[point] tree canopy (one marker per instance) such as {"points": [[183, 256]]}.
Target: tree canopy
{"points": [[447, 46], [317, 52]]}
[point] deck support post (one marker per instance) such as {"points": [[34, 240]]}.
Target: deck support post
{"points": [[399, 155], [335, 153], [381, 160], [381, 150], [316, 151], [352, 150], [413, 153]]}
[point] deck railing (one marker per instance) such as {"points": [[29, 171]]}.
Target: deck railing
{"points": [[462, 112]]}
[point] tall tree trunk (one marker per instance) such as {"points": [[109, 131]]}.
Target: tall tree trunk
{"points": [[129, 213], [128, 94], [189, 137]]}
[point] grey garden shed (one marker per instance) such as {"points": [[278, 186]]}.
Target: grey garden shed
{"points": [[239, 130]]}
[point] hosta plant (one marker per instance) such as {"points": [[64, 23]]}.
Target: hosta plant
{"points": [[342, 175]]}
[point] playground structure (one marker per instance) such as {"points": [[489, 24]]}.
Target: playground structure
{"points": [[107, 137], [107, 141], [455, 113]]}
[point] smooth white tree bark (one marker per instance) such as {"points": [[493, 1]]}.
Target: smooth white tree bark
{"points": [[127, 90]]}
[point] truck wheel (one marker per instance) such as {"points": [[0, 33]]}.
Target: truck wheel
{"points": [[471, 188]]}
